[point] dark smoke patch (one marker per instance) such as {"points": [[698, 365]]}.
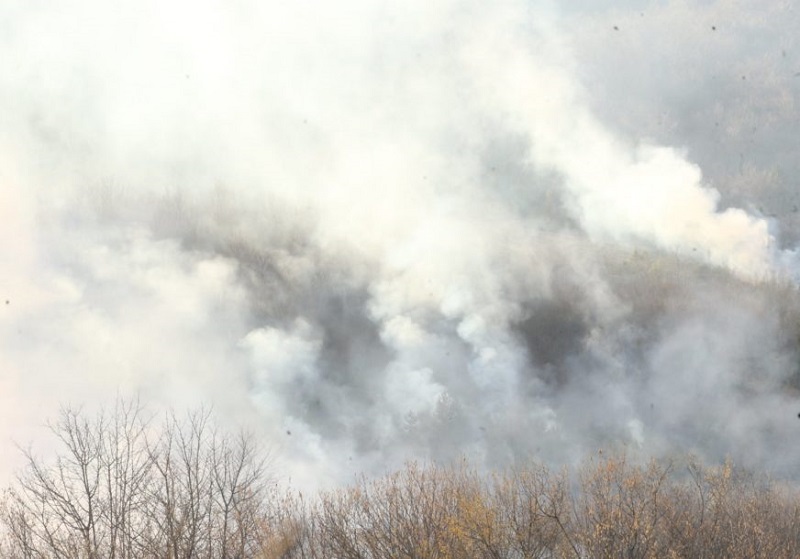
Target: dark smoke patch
{"points": [[553, 333], [351, 340]]}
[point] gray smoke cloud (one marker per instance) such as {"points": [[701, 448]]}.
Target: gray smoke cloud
{"points": [[377, 232]]}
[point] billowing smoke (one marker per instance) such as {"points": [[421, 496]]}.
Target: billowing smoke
{"points": [[377, 232]]}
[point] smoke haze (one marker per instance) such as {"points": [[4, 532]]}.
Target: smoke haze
{"points": [[377, 232]]}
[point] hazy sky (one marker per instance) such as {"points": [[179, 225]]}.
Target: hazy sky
{"points": [[378, 231]]}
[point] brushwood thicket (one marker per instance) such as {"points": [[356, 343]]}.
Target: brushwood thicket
{"points": [[125, 486]]}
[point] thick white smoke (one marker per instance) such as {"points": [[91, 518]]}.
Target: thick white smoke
{"points": [[375, 232]]}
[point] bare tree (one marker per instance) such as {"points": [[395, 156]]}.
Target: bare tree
{"points": [[181, 492], [123, 488], [81, 506]]}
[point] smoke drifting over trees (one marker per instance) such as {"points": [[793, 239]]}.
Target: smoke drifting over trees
{"points": [[378, 233], [125, 487]]}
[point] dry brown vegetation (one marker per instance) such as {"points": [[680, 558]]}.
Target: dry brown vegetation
{"points": [[610, 509], [118, 490]]}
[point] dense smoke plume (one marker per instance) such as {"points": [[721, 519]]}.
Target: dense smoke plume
{"points": [[378, 232]]}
